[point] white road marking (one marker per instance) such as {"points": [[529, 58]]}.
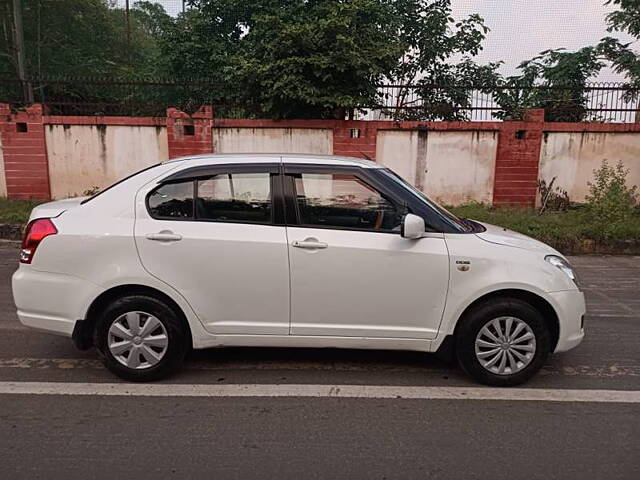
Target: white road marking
{"points": [[599, 371], [319, 391]]}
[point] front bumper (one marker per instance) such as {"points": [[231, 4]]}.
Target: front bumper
{"points": [[570, 307]]}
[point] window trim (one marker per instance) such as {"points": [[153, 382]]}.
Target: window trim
{"points": [[207, 171], [203, 172], [293, 209]]}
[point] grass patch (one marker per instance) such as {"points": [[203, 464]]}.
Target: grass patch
{"points": [[16, 211], [556, 228]]}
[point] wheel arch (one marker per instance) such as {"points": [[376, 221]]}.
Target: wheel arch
{"points": [[84, 330], [545, 308]]}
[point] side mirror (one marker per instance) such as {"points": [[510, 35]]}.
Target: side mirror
{"points": [[412, 226]]}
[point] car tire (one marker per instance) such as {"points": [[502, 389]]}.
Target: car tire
{"points": [[154, 354], [502, 328]]}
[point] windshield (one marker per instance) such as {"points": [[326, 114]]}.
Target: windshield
{"points": [[458, 223]]}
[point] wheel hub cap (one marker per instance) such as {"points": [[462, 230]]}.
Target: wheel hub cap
{"points": [[137, 340], [505, 345]]}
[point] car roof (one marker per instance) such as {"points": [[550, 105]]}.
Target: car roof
{"points": [[306, 158]]}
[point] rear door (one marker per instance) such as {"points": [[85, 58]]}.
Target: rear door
{"points": [[216, 234]]}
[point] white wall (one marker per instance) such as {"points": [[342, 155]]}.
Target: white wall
{"points": [[451, 167], [85, 156], [572, 158], [3, 178], [272, 140]]}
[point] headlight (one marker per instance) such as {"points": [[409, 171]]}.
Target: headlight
{"points": [[563, 265]]}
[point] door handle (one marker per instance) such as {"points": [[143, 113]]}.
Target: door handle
{"points": [[164, 236], [310, 244]]}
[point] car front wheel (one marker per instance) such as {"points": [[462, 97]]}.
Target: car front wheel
{"points": [[141, 338], [503, 342]]}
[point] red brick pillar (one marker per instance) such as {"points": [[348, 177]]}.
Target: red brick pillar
{"points": [[25, 153], [352, 138], [517, 160], [189, 135]]}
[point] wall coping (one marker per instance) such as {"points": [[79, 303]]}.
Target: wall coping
{"points": [[87, 120], [550, 127]]}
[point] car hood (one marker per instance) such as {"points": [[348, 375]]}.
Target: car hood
{"points": [[54, 209], [503, 236]]}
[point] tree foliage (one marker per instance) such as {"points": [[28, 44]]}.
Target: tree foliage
{"points": [[279, 58], [627, 18], [555, 80], [88, 38], [316, 58], [563, 75], [431, 40], [70, 37], [623, 56]]}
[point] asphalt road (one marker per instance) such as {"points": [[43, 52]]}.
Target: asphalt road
{"points": [[134, 436]]}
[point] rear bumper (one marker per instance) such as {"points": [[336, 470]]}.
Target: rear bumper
{"points": [[570, 307], [51, 302]]}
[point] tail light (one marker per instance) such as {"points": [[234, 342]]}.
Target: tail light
{"points": [[35, 232]]}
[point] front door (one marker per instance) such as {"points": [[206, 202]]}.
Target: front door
{"points": [[352, 274], [215, 238]]}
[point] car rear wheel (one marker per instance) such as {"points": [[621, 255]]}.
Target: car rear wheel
{"points": [[502, 342], [141, 338]]}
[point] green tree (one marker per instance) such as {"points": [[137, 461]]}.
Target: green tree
{"points": [[286, 58], [623, 56], [563, 75], [431, 38], [555, 80], [66, 38], [88, 37], [277, 58], [627, 18], [320, 58]]}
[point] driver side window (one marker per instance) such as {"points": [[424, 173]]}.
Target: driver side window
{"points": [[344, 201]]}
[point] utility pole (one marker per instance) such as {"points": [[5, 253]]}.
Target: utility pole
{"points": [[128, 30], [27, 90]]}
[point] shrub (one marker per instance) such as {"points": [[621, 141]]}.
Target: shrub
{"points": [[610, 201], [555, 199]]}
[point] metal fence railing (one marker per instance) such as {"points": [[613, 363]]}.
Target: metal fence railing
{"points": [[595, 102], [109, 97]]}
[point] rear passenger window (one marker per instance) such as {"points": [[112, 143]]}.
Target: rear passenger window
{"points": [[235, 197], [172, 200]]}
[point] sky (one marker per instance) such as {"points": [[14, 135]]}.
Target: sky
{"points": [[520, 29]]}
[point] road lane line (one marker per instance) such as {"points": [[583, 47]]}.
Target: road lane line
{"points": [[578, 370], [319, 391]]}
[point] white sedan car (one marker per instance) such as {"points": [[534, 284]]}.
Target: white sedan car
{"points": [[289, 251]]}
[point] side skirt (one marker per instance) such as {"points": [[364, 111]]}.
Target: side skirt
{"points": [[296, 341]]}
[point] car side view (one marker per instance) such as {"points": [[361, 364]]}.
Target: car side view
{"points": [[289, 251]]}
